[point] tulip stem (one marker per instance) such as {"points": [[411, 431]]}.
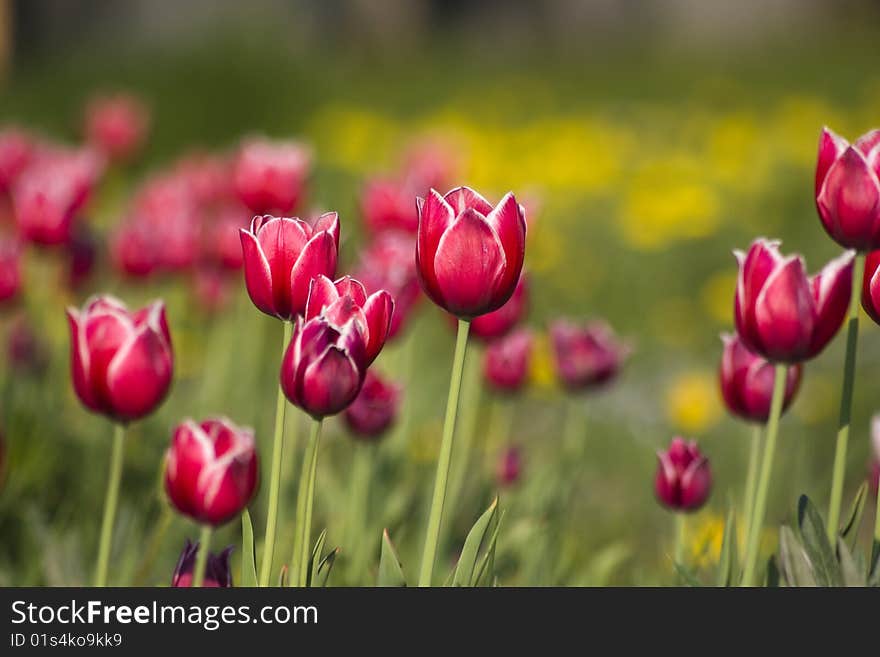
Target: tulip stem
{"points": [[760, 510], [202, 557], [849, 370], [680, 532], [110, 503], [305, 500], [752, 479], [358, 509], [275, 476], [436, 514]]}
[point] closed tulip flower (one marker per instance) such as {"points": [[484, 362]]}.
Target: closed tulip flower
{"points": [[498, 322], [269, 177], [506, 361], [871, 286], [848, 189], [469, 255], [346, 300], [746, 381], [121, 361], [324, 366], [117, 125], [390, 205], [211, 470], [509, 466], [781, 313], [282, 256], [684, 478], [374, 410], [217, 571], [10, 269], [586, 356]]}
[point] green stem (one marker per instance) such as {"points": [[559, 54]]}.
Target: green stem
{"points": [[358, 509], [849, 370], [752, 479], [304, 504], [436, 514], [275, 476], [754, 532], [110, 502], [680, 531], [153, 546], [202, 557]]}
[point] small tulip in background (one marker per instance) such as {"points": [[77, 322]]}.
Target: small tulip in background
{"points": [[509, 466], [497, 323], [26, 352], [270, 177], [121, 367], [217, 571], [469, 258], [211, 474], [117, 126], [586, 356], [10, 269], [507, 361], [374, 410], [16, 151]]}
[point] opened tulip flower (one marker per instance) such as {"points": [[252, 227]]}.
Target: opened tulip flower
{"points": [[10, 268], [498, 322], [780, 312], [507, 360], [282, 256], [684, 479], [848, 189], [117, 125], [374, 409], [469, 255], [218, 574], [586, 356], [269, 176]]}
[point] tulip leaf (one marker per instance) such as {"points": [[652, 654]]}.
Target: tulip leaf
{"points": [[727, 564], [794, 563], [390, 571], [874, 577], [485, 574], [826, 570], [850, 572], [325, 567], [317, 551], [686, 575], [853, 523], [464, 569], [282, 576], [248, 562]]}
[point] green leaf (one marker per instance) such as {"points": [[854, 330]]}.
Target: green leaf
{"points": [[874, 577], [486, 571], [282, 576], [794, 563], [686, 574], [315, 561], [390, 571], [248, 562], [325, 567], [850, 572], [850, 531], [825, 569], [727, 565], [772, 581], [464, 569]]}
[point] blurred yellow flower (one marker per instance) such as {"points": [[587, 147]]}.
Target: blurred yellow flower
{"points": [[717, 296], [692, 402], [543, 372], [704, 535]]}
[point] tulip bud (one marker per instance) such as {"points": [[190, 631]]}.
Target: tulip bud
{"points": [[586, 356], [217, 571], [497, 323], [375, 408], [848, 189], [211, 470], [117, 126], [684, 478], [780, 313], [270, 176], [10, 269], [324, 366], [346, 300], [747, 381], [121, 361], [506, 361], [509, 466], [469, 255], [282, 256], [134, 250], [16, 151]]}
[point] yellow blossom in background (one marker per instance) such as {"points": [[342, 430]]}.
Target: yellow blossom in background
{"points": [[717, 296], [353, 138], [794, 128], [542, 372], [738, 154], [671, 321], [704, 535], [692, 402]]}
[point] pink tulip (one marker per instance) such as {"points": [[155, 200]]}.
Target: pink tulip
{"points": [[389, 205], [117, 125], [270, 176], [586, 356], [509, 466], [16, 151], [684, 478], [498, 322], [10, 268], [506, 361], [218, 574], [374, 409]]}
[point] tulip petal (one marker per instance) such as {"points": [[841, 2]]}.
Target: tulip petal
{"points": [[831, 146], [785, 313], [831, 290], [464, 198], [317, 257], [331, 383], [79, 362], [322, 294], [435, 217], [849, 201], [508, 220], [869, 145], [257, 274], [871, 286], [378, 310], [468, 264], [139, 375], [329, 221], [348, 286]]}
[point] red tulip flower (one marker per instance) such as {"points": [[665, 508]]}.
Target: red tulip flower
{"points": [[218, 574], [121, 361], [211, 289], [224, 242], [16, 150], [211, 470], [586, 356], [390, 205], [117, 126], [324, 366], [469, 255], [346, 300], [781, 313], [506, 361], [509, 466], [498, 322], [134, 250], [684, 478], [282, 256], [871, 286], [270, 176], [747, 381], [848, 189], [374, 410], [10, 269]]}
